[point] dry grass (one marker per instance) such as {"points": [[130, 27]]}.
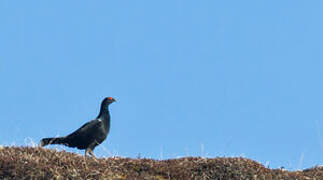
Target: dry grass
{"points": [[40, 163]]}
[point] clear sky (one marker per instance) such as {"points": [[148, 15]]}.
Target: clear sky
{"points": [[192, 78]]}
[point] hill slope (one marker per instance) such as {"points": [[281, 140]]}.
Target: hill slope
{"points": [[39, 163]]}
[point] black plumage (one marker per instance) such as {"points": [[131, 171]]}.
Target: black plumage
{"points": [[90, 134]]}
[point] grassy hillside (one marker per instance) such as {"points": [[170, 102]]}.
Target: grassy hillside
{"points": [[40, 163]]}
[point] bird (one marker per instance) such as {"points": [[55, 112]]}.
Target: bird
{"points": [[88, 136]]}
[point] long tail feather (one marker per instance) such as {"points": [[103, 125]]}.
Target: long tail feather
{"points": [[46, 141]]}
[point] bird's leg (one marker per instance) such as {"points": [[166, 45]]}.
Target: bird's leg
{"points": [[86, 151], [89, 151]]}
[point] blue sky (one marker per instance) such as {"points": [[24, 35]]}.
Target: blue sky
{"points": [[211, 78]]}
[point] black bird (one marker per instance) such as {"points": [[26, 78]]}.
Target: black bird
{"points": [[90, 134]]}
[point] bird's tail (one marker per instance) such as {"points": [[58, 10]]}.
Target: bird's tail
{"points": [[46, 141]]}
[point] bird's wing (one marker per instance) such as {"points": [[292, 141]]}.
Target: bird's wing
{"points": [[86, 128]]}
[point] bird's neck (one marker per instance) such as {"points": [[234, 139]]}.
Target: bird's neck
{"points": [[104, 113]]}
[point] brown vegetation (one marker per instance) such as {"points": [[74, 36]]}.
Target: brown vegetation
{"points": [[40, 163]]}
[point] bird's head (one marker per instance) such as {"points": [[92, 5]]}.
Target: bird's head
{"points": [[105, 105], [107, 101]]}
